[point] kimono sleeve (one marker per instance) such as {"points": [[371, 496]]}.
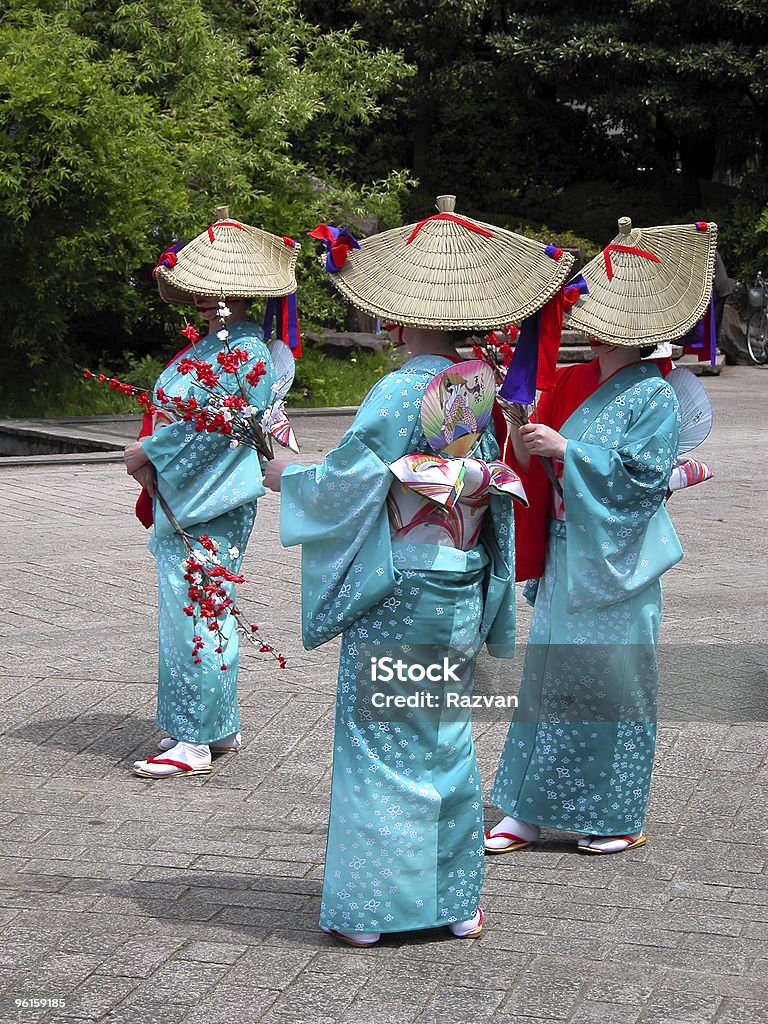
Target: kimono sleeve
{"points": [[337, 511], [198, 474], [620, 537]]}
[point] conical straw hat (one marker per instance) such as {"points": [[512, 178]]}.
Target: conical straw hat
{"points": [[230, 259], [451, 272], [655, 292]]}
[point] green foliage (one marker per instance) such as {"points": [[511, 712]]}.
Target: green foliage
{"points": [[325, 380], [64, 393], [674, 87], [124, 122]]}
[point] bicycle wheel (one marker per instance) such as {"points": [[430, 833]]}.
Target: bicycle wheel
{"points": [[757, 337]]}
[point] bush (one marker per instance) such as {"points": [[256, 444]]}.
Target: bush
{"points": [[326, 380]]}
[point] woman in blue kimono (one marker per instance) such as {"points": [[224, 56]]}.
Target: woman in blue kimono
{"points": [[209, 485], [408, 579], [579, 753]]}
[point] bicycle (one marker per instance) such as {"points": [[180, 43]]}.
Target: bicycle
{"points": [[757, 327]]}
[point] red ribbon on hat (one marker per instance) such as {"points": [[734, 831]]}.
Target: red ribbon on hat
{"points": [[624, 248], [223, 224], [456, 220], [168, 258]]}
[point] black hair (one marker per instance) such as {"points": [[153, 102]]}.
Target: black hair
{"points": [[646, 350]]}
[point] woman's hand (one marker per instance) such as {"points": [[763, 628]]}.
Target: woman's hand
{"points": [[135, 457], [544, 441], [273, 472], [145, 477]]}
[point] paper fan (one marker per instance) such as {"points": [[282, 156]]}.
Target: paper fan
{"points": [[695, 408], [689, 472], [458, 405], [275, 422], [285, 367]]}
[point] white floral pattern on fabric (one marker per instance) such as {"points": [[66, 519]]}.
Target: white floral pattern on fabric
{"points": [[211, 489], [405, 843], [579, 752]]}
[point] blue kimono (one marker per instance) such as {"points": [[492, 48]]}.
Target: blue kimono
{"points": [[405, 841], [579, 752], [211, 488]]}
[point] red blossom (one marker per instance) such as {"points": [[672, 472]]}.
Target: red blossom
{"points": [[88, 374], [230, 361], [255, 375], [191, 334]]}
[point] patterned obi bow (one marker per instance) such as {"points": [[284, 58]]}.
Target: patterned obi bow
{"points": [[443, 501], [446, 481]]}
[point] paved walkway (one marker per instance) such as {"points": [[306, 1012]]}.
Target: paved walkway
{"points": [[197, 900]]}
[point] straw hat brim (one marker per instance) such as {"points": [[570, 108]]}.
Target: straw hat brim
{"points": [[233, 260], [647, 302], [450, 277]]}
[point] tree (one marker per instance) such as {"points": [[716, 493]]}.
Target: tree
{"points": [[124, 122], [679, 86], [469, 121]]}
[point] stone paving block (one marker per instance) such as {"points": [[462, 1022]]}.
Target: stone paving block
{"points": [[497, 968], [546, 995], [274, 968], [227, 1003], [669, 1006], [619, 985], [742, 1011], [95, 997], [681, 958], [317, 996], [455, 1005], [589, 1012], [61, 971], [178, 982], [141, 956]]}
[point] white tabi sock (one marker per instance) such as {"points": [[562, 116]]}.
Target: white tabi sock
{"points": [[527, 833]]}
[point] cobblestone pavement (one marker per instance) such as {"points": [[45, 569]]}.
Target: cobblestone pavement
{"points": [[196, 900]]}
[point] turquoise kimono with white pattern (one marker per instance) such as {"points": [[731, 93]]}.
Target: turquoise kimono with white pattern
{"points": [[405, 842], [211, 489], [579, 752]]}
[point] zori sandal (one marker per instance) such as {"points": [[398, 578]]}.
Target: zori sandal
{"points": [[610, 844], [513, 842], [470, 929], [358, 939], [511, 834], [227, 745], [183, 759]]}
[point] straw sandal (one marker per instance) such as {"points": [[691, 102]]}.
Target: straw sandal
{"points": [[610, 844]]}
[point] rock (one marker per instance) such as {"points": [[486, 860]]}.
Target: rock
{"points": [[341, 343]]}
